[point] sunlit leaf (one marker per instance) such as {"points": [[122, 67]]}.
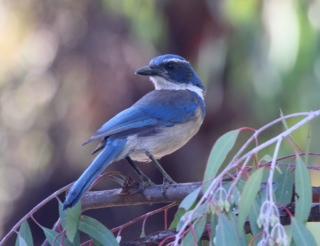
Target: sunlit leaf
{"points": [[195, 235], [97, 231], [24, 235], [218, 154], [303, 189], [70, 219], [249, 193], [226, 232], [189, 200], [301, 235]]}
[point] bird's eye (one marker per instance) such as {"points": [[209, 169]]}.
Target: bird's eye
{"points": [[170, 65]]}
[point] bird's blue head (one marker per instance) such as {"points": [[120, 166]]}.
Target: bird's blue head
{"points": [[172, 72]]}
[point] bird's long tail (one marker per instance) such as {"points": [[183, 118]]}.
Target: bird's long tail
{"points": [[109, 153]]}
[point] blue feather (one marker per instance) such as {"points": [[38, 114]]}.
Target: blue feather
{"points": [[156, 109], [110, 153]]}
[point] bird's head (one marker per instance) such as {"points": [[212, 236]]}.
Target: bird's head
{"points": [[172, 72]]}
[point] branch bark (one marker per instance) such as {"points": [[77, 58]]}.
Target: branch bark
{"points": [[150, 195]]}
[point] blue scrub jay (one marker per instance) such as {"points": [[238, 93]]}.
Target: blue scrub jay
{"points": [[157, 125]]}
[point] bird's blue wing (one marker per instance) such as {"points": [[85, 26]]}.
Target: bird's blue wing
{"points": [[129, 119], [157, 108]]}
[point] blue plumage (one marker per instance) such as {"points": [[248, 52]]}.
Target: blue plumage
{"points": [[158, 124], [111, 152]]}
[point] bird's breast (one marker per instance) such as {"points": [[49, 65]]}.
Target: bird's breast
{"points": [[163, 140]]}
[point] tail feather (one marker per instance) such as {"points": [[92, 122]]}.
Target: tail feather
{"points": [[111, 152]]}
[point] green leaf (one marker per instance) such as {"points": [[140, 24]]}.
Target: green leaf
{"points": [[97, 231], [177, 218], [304, 191], [199, 227], [219, 152], [20, 241], [284, 183], [24, 235], [314, 228], [53, 237], [250, 190], [301, 235], [189, 200], [226, 233], [253, 217], [70, 219]]}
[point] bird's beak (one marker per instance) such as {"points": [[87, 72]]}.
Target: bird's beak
{"points": [[147, 71]]}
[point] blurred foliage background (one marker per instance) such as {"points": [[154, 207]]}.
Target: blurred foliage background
{"points": [[67, 66]]}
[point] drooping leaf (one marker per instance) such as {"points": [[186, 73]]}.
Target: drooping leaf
{"points": [[213, 226], [218, 154], [20, 241], [301, 235], [177, 218], [53, 237], [284, 186], [253, 217], [249, 193], [70, 219], [97, 231], [314, 228], [226, 232], [24, 235], [56, 239], [240, 234], [194, 236], [304, 191], [189, 200]]}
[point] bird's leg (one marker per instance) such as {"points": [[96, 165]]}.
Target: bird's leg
{"points": [[143, 177], [166, 176]]}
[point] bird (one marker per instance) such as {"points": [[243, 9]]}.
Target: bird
{"points": [[158, 124]]}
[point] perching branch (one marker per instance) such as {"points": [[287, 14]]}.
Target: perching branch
{"points": [[150, 195]]}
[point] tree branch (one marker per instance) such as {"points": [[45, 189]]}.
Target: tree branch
{"points": [[150, 195]]}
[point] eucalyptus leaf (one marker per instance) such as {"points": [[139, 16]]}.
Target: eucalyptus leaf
{"points": [[226, 232], [253, 217], [53, 237], [70, 219], [314, 228], [213, 226], [301, 235], [20, 241], [177, 218], [219, 153], [194, 236], [24, 235], [189, 200], [284, 184], [97, 231], [303, 189], [249, 193]]}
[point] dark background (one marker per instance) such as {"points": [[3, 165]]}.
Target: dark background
{"points": [[68, 66]]}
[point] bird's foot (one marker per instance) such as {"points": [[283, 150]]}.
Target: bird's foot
{"points": [[137, 186], [167, 180]]}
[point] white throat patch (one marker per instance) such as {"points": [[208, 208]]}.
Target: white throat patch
{"points": [[163, 84]]}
